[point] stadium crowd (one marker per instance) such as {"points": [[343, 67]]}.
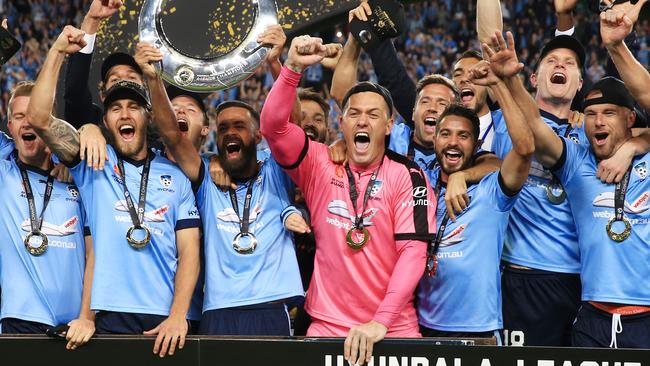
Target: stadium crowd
{"points": [[450, 202], [434, 37]]}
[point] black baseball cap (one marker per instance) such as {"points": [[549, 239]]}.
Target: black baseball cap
{"points": [[174, 91], [118, 58], [564, 41], [126, 89], [386, 21], [613, 91]]}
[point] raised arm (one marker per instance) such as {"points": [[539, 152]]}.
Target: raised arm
{"points": [[60, 136], [564, 15], [78, 104], [516, 165], [615, 25], [504, 63], [345, 73], [303, 52], [488, 19], [164, 117]]}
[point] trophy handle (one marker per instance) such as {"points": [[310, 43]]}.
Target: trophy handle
{"points": [[201, 75]]}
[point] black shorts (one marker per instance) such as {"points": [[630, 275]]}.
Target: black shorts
{"points": [[255, 320], [19, 326], [111, 322], [597, 328], [428, 332], [539, 307]]}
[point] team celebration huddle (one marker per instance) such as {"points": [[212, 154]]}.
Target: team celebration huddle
{"points": [[456, 205]]}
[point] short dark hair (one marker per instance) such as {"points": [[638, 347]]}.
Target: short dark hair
{"points": [[470, 54], [310, 94], [239, 104], [456, 109], [367, 86], [437, 79]]}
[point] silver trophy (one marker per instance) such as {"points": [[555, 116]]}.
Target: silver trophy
{"points": [[211, 74]]}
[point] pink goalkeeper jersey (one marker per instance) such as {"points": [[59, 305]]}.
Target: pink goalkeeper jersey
{"points": [[350, 287]]}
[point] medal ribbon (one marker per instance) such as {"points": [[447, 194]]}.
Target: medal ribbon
{"points": [[244, 220], [354, 195], [35, 221], [432, 248], [619, 196], [137, 217]]}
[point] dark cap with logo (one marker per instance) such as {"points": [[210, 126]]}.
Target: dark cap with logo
{"points": [[118, 58], [564, 41], [174, 91], [125, 89], [386, 21], [613, 91]]}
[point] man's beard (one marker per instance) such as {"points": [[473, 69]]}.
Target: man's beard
{"points": [[123, 148], [234, 167], [314, 134]]}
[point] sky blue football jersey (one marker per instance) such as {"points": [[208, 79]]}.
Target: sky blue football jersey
{"points": [[611, 272], [540, 234], [465, 293], [271, 271], [127, 279], [47, 288]]}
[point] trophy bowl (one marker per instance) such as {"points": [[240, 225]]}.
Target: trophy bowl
{"points": [[206, 74]]}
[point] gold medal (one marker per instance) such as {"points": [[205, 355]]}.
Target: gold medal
{"points": [[619, 237], [138, 244], [241, 249], [36, 250], [356, 245]]}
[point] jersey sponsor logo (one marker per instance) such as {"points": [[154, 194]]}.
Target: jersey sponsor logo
{"points": [[65, 229], [157, 215], [417, 202], [454, 237], [420, 191], [336, 182], [229, 215], [639, 205], [73, 191], [166, 180], [641, 170], [340, 208]]}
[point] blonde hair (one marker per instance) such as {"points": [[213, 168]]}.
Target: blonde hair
{"points": [[22, 89]]}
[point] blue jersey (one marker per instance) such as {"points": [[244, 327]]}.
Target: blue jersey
{"points": [[611, 272], [47, 288], [271, 271], [6, 146], [465, 293], [127, 279], [401, 141], [540, 234]]}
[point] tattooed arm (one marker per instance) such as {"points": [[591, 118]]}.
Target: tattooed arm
{"points": [[62, 139], [60, 136]]}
